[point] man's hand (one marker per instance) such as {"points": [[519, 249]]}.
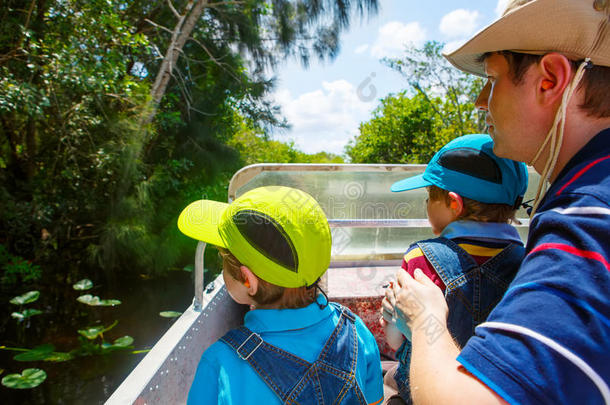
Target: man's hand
{"points": [[418, 300]]}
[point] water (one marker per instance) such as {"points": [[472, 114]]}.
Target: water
{"points": [[91, 379]]}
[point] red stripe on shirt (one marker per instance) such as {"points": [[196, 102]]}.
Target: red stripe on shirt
{"points": [[587, 254], [581, 172]]}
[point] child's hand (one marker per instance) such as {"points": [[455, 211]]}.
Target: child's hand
{"points": [[392, 334], [387, 310], [391, 314]]}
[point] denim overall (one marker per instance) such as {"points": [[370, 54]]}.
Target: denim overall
{"points": [[472, 291], [330, 379]]}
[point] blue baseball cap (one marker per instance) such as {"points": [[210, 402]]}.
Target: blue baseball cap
{"points": [[468, 166]]}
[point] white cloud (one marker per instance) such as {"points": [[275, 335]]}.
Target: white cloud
{"points": [[325, 119], [393, 37], [361, 49], [452, 46], [500, 7], [459, 23]]}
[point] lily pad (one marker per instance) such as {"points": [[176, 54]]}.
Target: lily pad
{"points": [[82, 285], [118, 344], [29, 378], [43, 352], [95, 301], [188, 268], [92, 332], [26, 313], [123, 342], [26, 298], [170, 314]]}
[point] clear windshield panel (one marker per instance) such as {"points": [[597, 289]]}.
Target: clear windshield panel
{"points": [[369, 222], [350, 194]]}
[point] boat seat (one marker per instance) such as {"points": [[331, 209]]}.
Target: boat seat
{"points": [[361, 289]]}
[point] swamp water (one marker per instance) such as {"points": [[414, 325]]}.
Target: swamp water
{"points": [[90, 379]]}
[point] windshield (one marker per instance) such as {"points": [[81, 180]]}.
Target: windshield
{"points": [[369, 223]]}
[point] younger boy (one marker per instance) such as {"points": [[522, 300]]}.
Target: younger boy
{"points": [[294, 347], [472, 197]]}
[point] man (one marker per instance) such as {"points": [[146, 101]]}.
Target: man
{"points": [[547, 103]]}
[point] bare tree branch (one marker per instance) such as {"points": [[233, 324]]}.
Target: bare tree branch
{"points": [[171, 7], [220, 64], [224, 3], [158, 26], [180, 34]]}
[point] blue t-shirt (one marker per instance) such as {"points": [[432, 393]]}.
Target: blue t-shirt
{"points": [[223, 378], [548, 340]]}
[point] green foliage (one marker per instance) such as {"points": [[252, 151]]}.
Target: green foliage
{"points": [[256, 148], [95, 301], [92, 332], [82, 285], [15, 268], [411, 126], [88, 347], [449, 91], [27, 298], [170, 314], [84, 179], [402, 130], [26, 313], [29, 378], [45, 352], [124, 342]]}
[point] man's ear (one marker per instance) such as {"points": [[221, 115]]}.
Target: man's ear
{"points": [[456, 204], [554, 72], [251, 281]]}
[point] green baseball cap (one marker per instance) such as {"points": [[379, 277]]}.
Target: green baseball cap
{"points": [[280, 233]]}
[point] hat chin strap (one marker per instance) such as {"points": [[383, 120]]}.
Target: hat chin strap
{"points": [[555, 136]]}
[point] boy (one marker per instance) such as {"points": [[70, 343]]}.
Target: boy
{"points": [[472, 197], [294, 347]]}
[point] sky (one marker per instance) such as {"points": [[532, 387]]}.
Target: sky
{"points": [[325, 103]]}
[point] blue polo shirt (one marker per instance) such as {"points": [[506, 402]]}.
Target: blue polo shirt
{"points": [[223, 378], [548, 340]]}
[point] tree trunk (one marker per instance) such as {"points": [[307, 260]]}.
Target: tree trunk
{"points": [[181, 33]]}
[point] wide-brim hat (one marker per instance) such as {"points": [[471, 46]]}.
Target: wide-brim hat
{"points": [[280, 233], [468, 166], [578, 29]]}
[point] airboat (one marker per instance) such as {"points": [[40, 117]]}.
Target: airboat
{"points": [[371, 229]]}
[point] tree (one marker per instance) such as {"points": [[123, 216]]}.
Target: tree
{"points": [[411, 126], [269, 31], [431, 75], [402, 130], [82, 177], [256, 148]]}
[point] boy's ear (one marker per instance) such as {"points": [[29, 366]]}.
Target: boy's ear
{"points": [[456, 204], [251, 281]]}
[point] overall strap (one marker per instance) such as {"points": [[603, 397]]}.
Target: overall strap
{"points": [[513, 254], [332, 377], [448, 259], [279, 369], [345, 332]]}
